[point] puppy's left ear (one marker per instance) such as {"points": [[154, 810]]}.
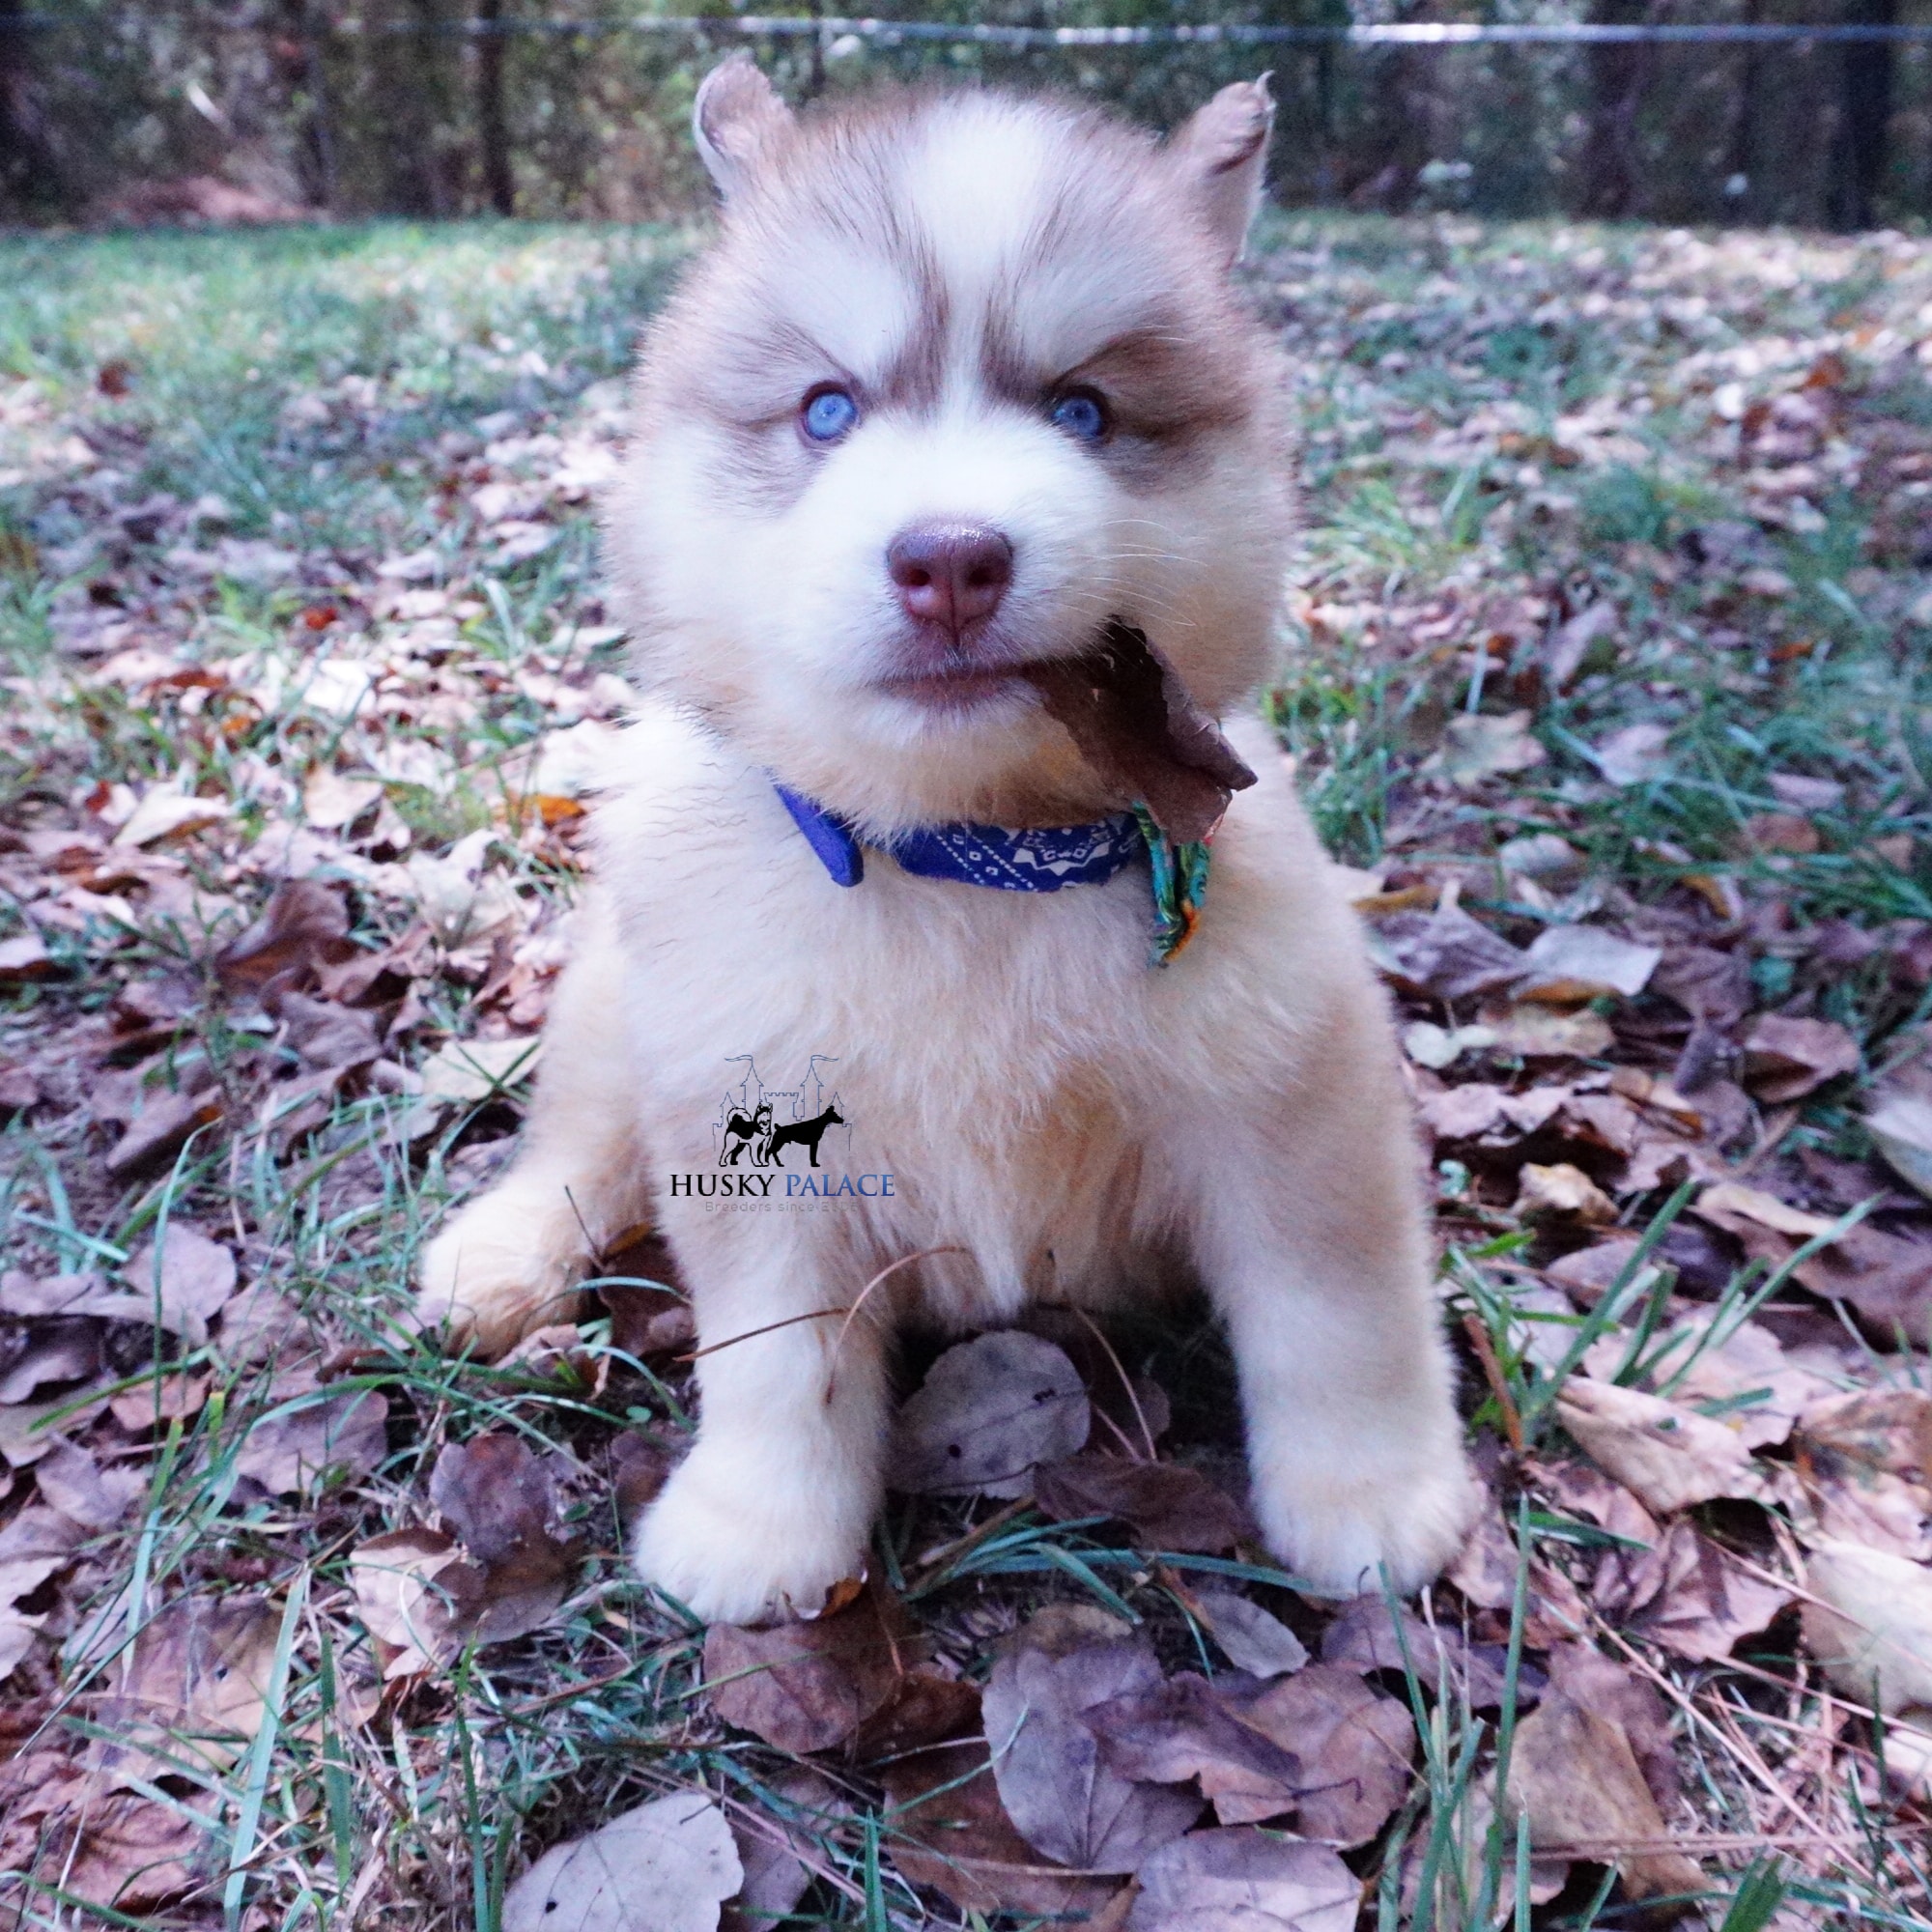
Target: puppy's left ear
{"points": [[1222, 152], [737, 116]]}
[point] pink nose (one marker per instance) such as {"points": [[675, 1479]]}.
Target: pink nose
{"points": [[951, 574]]}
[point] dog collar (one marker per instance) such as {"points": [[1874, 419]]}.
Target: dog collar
{"points": [[1031, 859]]}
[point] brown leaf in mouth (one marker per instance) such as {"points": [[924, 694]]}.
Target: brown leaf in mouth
{"points": [[1135, 723]]}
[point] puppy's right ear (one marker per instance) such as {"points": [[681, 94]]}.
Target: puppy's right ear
{"points": [[737, 117]]}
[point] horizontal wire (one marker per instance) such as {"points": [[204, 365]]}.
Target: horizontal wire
{"points": [[890, 33]]}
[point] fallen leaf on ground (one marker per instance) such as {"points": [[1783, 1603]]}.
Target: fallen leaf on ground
{"points": [[1476, 746], [1253, 1640], [413, 1593], [26, 959], [1183, 1731], [82, 1491], [495, 1494], [312, 1431], [1613, 1690], [156, 1401], [808, 1686], [990, 1413], [925, 1708], [1444, 952], [1786, 1058], [193, 1693], [666, 1866], [188, 1276], [1355, 1748], [1634, 755], [1669, 1456], [774, 1850], [1057, 1787], [1576, 1775], [947, 1828], [1562, 1193], [1687, 1594], [129, 1854], [1744, 1374], [1168, 1506], [1869, 1623], [330, 801], [1532, 1032], [466, 1074], [165, 811], [305, 925], [1365, 1636], [164, 1125], [1244, 1880], [1901, 1129], [1572, 965]]}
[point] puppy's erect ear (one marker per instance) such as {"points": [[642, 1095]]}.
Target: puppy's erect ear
{"points": [[1222, 152], [735, 120]]}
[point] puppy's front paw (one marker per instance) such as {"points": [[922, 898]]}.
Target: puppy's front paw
{"points": [[736, 1547], [507, 1264], [1342, 1531]]}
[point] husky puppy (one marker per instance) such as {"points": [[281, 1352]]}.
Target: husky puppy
{"points": [[961, 388]]}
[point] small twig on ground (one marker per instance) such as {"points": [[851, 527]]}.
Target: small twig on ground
{"points": [[1492, 1373]]}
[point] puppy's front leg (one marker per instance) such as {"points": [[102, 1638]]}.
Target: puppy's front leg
{"points": [[1310, 1236], [776, 1503], [511, 1261]]}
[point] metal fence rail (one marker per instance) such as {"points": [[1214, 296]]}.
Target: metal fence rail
{"points": [[894, 32]]}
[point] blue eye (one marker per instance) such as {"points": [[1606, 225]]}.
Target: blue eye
{"points": [[829, 415], [1081, 414]]}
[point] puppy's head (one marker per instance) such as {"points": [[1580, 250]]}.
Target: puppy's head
{"points": [[962, 380]]}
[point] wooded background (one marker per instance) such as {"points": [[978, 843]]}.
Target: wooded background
{"points": [[447, 107]]}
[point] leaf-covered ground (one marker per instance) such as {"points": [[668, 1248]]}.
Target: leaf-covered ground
{"points": [[1611, 681]]}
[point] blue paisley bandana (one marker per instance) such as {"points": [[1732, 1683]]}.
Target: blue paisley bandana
{"points": [[1029, 860]]}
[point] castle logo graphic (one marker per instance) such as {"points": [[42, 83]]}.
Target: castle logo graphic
{"points": [[762, 1125]]}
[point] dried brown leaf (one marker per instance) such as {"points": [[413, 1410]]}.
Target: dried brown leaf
{"points": [[666, 1866], [1869, 1622], [947, 1830], [1354, 1746], [313, 1431], [303, 927], [1574, 1773], [1668, 1456], [1183, 1731], [497, 1495], [808, 1686], [1786, 1058], [1244, 1880], [988, 1413], [1057, 1787], [193, 1695], [1253, 1640], [1167, 1506]]}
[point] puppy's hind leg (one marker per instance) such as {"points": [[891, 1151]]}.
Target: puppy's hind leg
{"points": [[511, 1261], [1310, 1237]]}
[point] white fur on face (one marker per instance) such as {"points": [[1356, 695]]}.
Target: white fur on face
{"points": [[950, 269]]}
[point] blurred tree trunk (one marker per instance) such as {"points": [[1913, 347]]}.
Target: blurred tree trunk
{"points": [[1618, 72], [1860, 142], [298, 53], [31, 177], [1741, 149], [493, 131]]}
